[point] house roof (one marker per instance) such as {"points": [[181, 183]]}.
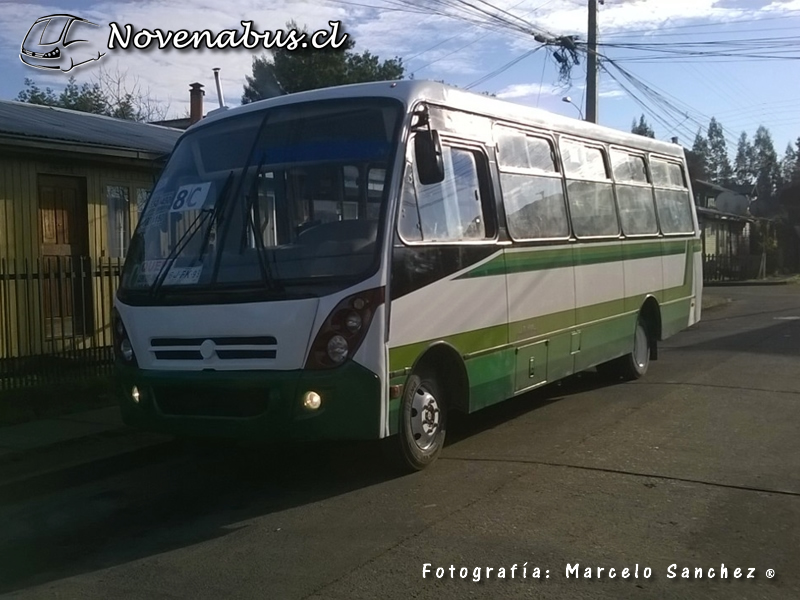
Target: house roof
{"points": [[744, 190], [713, 213], [174, 123], [707, 186], [46, 123]]}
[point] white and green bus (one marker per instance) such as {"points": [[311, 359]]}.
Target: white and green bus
{"points": [[356, 262]]}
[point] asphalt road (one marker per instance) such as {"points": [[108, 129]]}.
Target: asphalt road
{"points": [[697, 465]]}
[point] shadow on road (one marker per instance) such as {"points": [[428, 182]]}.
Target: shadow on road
{"points": [[782, 338], [463, 426], [133, 506], [161, 499]]}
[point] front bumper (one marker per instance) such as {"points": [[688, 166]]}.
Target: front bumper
{"points": [[253, 405]]}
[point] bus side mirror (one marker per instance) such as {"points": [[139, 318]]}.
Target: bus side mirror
{"points": [[428, 155]]}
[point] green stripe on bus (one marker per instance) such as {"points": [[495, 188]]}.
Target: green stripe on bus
{"points": [[496, 337], [577, 254]]}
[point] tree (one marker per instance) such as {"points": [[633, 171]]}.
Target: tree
{"points": [[744, 163], [32, 94], [84, 98], [302, 69], [642, 128], [789, 165], [719, 165], [111, 94], [767, 167], [698, 157]]}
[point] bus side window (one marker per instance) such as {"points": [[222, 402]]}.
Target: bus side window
{"points": [[637, 212], [672, 197], [589, 190], [533, 192], [449, 211]]}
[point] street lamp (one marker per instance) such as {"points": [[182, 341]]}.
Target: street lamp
{"points": [[568, 100]]}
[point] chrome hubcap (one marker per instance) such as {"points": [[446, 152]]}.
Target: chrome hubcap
{"points": [[425, 418], [640, 349]]}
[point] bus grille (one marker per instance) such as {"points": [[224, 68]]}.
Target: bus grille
{"points": [[202, 402], [223, 348]]}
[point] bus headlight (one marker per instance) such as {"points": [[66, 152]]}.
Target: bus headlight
{"points": [[337, 349], [353, 322], [126, 349], [123, 349], [344, 329]]}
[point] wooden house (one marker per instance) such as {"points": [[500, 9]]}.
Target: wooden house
{"points": [[71, 187]]}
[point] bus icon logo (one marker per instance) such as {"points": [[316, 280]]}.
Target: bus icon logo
{"points": [[56, 42]]}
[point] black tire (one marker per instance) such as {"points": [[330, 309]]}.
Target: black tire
{"points": [[423, 425], [634, 365]]}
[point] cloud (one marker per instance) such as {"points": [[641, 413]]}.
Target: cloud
{"points": [[519, 91], [434, 46], [168, 73]]}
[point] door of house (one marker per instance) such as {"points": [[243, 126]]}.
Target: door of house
{"points": [[66, 268]]}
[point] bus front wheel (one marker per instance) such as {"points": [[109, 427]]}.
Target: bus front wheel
{"points": [[422, 424], [634, 364]]}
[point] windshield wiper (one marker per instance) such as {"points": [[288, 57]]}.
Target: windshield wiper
{"points": [[191, 231], [261, 251], [219, 209]]}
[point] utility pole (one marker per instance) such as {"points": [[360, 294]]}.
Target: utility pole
{"points": [[591, 64]]}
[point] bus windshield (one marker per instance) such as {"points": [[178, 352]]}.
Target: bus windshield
{"points": [[277, 202]]}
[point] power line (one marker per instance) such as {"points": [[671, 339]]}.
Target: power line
{"points": [[789, 14], [503, 68]]}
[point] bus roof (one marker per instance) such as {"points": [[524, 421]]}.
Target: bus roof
{"points": [[411, 91]]}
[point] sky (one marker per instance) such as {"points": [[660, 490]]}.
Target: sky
{"points": [[678, 62]]}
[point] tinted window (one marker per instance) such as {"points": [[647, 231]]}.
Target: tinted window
{"points": [[534, 206], [674, 211], [582, 161], [666, 174], [520, 151], [628, 167], [591, 206], [636, 210]]}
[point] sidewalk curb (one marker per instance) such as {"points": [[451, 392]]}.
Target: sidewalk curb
{"points": [[715, 302], [749, 283]]}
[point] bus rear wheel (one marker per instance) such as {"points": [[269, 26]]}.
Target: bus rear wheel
{"points": [[634, 364], [422, 424]]}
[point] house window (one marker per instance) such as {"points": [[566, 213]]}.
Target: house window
{"points": [[142, 196], [119, 224]]}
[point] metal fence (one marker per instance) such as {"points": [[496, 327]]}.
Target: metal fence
{"points": [[55, 319], [723, 267]]}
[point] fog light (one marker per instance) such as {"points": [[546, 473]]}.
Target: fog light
{"points": [[312, 400], [136, 395]]}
